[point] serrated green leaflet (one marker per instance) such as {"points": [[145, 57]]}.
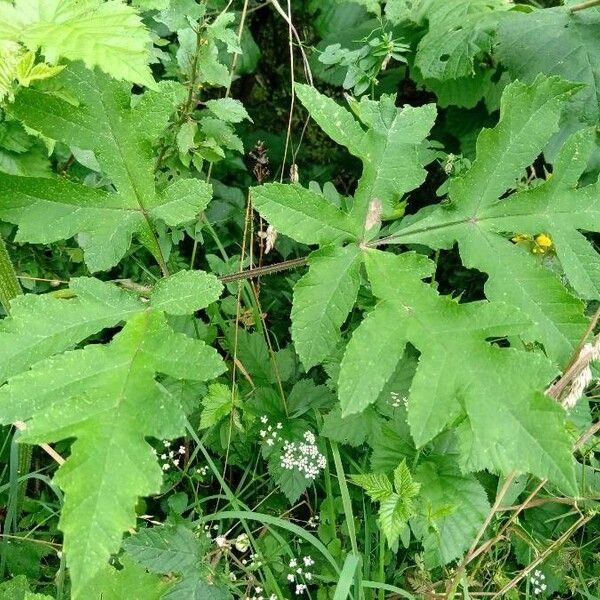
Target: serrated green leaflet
{"points": [[26, 339], [185, 292], [506, 422], [453, 507], [323, 298], [106, 397], [304, 215], [396, 499], [529, 115], [77, 30], [121, 138], [389, 145]]}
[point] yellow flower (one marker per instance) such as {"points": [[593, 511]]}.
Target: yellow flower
{"points": [[544, 241]]}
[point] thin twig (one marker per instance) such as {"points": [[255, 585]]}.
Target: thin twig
{"points": [[542, 557], [584, 5], [48, 449]]}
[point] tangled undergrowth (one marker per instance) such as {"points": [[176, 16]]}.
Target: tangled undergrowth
{"points": [[300, 299]]}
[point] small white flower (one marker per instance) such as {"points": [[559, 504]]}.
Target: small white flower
{"points": [[242, 543], [293, 563], [308, 561], [181, 450], [221, 541], [291, 577], [264, 419]]}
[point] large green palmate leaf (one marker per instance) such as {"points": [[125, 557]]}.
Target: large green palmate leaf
{"points": [[481, 219], [504, 420], [390, 143], [106, 397], [556, 41], [388, 140], [106, 34], [121, 137]]}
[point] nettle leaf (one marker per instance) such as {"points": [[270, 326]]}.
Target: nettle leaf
{"points": [[505, 422], [556, 41], [106, 397], [481, 219], [121, 137], [452, 508], [109, 35], [323, 298], [216, 405], [175, 549], [396, 499], [388, 140]]}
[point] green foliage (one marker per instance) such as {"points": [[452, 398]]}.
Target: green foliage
{"points": [[106, 397], [556, 42], [406, 307], [121, 138], [109, 35], [175, 549], [452, 509], [476, 218], [395, 499]]}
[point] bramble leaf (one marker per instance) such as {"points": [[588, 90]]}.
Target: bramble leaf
{"points": [[107, 398], [452, 508], [109, 35], [396, 500]]}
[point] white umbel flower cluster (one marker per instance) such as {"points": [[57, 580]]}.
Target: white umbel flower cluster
{"points": [[303, 456], [537, 581], [270, 433]]}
